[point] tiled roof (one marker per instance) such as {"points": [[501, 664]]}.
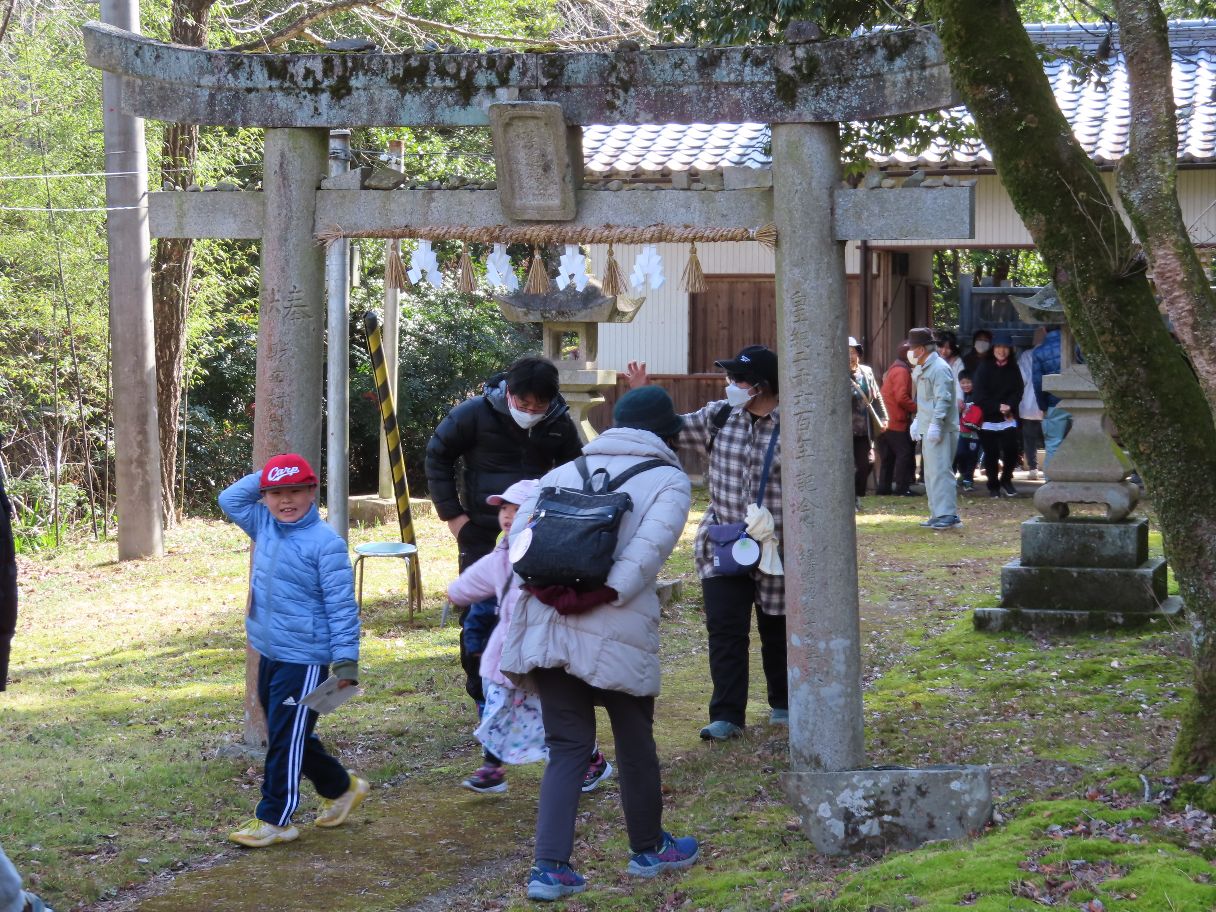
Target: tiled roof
{"points": [[1098, 111]]}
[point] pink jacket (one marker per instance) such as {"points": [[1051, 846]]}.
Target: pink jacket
{"points": [[490, 577]]}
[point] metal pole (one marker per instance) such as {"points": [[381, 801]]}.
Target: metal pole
{"points": [[390, 331], [137, 442], [337, 282], [824, 651]]}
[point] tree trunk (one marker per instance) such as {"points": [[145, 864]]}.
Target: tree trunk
{"points": [[173, 266], [1147, 180], [1148, 386]]}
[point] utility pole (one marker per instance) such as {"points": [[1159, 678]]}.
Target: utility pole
{"points": [[337, 430]]}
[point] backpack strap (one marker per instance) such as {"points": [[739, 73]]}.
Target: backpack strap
{"points": [[637, 470], [716, 423], [768, 464]]}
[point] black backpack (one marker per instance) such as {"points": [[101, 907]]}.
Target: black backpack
{"points": [[571, 536]]}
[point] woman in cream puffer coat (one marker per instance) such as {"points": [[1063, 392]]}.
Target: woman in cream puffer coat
{"points": [[606, 653]]}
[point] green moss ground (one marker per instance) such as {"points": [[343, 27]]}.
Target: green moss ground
{"points": [[129, 677]]}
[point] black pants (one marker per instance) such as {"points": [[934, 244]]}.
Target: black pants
{"points": [[1000, 456], [8, 588], [897, 460], [863, 464], [568, 709], [1032, 441], [292, 749], [729, 601], [966, 457], [474, 542]]}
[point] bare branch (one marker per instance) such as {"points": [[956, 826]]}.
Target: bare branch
{"points": [[299, 26]]}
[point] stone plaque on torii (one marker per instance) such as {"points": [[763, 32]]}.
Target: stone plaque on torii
{"points": [[804, 91]]}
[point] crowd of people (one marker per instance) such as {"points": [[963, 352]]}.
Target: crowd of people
{"points": [[540, 651]]}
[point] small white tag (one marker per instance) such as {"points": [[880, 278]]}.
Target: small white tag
{"points": [[520, 545], [745, 552]]}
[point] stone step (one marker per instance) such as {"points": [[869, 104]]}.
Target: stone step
{"points": [[1128, 590], [994, 620]]}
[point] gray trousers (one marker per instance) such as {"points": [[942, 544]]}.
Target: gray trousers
{"points": [[12, 899], [939, 477], [568, 709]]}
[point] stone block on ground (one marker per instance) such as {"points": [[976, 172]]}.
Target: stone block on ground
{"points": [[347, 180], [1141, 589], [875, 810], [669, 590], [1084, 543]]}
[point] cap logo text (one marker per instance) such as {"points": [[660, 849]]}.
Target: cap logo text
{"points": [[280, 472]]}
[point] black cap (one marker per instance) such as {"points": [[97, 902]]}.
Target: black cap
{"points": [[920, 336], [753, 363], [648, 408]]}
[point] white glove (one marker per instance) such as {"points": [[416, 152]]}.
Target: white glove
{"points": [[914, 431], [762, 528], [935, 432]]}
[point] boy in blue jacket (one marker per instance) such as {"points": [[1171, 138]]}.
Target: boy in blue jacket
{"points": [[302, 617]]}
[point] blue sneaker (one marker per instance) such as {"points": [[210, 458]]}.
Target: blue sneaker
{"points": [[549, 881], [672, 854], [946, 522], [720, 731], [778, 716]]}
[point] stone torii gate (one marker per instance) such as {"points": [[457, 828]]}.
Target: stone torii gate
{"points": [[804, 91]]}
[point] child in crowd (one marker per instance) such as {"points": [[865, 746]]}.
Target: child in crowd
{"points": [[967, 456], [302, 618], [511, 729]]}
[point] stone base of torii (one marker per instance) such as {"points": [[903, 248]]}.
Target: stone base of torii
{"points": [[803, 90]]}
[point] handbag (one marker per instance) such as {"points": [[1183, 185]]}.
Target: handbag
{"points": [[734, 552], [877, 425]]}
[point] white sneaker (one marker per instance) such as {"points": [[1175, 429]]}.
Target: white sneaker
{"points": [[257, 834], [1033, 474], [335, 811]]}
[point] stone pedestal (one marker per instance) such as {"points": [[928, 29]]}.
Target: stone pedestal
{"points": [[873, 810], [373, 510], [1082, 572]]}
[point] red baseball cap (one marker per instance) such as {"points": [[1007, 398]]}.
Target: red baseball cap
{"points": [[287, 470]]}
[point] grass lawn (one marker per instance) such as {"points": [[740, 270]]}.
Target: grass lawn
{"points": [[127, 679]]}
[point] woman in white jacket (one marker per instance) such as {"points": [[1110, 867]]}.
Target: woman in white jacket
{"points": [[579, 650]]}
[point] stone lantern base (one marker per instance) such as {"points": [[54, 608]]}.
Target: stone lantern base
{"points": [[1079, 573]]}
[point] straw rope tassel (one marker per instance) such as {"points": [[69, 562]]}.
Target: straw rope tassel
{"points": [[614, 281], [388, 416], [467, 282], [394, 269], [538, 276], [694, 277]]}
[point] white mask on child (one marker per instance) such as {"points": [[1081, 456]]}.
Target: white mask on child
{"points": [[737, 395], [982, 346]]}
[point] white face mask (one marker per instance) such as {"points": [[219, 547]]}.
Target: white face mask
{"points": [[982, 346], [524, 419], [912, 359], [737, 395]]}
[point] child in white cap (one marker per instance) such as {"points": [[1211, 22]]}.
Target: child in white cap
{"points": [[511, 730]]}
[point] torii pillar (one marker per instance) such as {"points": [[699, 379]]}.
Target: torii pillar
{"points": [[804, 91]]}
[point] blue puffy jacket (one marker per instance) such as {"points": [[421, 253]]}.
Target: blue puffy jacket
{"points": [[303, 608]]}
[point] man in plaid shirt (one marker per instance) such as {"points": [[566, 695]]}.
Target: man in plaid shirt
{"points": [[737, 431]]}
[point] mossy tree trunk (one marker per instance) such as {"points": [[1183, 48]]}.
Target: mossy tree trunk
{"points": [[1148, 185], [173, 266], [1147, 384]]}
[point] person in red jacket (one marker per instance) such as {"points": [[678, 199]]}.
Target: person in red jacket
{"points": [[895, 448]]}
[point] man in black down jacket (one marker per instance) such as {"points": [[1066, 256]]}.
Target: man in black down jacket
{"points": [[518, 428]]}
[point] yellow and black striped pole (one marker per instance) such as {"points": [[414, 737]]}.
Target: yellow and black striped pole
{"points": [[388, 416]]}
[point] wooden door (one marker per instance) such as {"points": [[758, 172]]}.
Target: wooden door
{"points": [[734, 312]]}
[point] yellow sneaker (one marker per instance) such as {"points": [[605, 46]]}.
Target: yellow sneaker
{"points": [[257, 834], [334, 811]]}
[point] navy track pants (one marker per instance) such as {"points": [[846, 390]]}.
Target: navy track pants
{"points": [[292, 749]]}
